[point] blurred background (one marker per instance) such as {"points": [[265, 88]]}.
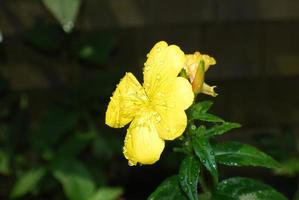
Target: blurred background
{"points": [[60, 61]]}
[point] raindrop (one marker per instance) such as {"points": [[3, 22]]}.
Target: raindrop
{"points": [[68, 26], [193, 127]]}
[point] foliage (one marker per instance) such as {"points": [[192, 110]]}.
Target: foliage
{"points": [[203, 154]]}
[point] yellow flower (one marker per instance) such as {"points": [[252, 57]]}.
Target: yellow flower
{"points": [[196, 65], [155, 109]]}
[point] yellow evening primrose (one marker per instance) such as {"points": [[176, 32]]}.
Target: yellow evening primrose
{"points": [[155, 109], [196, 72]]}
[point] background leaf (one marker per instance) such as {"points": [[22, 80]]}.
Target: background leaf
{"points": [[237, 154], [75, 179], [245, 189], [27, 182], [169, 189], [188, 176], [65, 11], [107, 193]]}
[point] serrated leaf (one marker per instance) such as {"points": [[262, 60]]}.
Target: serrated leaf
{"points": [[238, 188], [65, 11], [205, 153], [75, 179], [221, 129], [27, 182], [188, 176], [107, 193], [237, 154], [169, 189]]}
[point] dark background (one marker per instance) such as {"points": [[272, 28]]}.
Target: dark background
{"points": [[254, 42]]}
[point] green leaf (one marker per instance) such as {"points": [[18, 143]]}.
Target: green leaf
{"points": [[205, 153], [237, 154], [245, 189], [65, 11], [76, 143], [208, 118], [169, 189], [4, 163], [75, 179], [95, 47], [202, 107], [188, 176], [199, 108], [52, 126], [107, 193], [27, 182], [289, 167], [221, 129], [45, 37]]}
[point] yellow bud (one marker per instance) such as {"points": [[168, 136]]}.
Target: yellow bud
{"points": [[196, 65]]}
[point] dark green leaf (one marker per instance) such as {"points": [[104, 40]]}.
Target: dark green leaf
{"points": [[65, 11], [205, 152], [95, 47], [107, 193], [27, 182], [75, 179], [245, 189], [188, 176], [76, 143], [52, 126], [4, 163], [169, 189], [237, 154], [45, 37], [289, 167], [199, 108], [221, 129], [208, 118]]}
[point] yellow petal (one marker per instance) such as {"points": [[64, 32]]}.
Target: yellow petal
{"points": [[163, 65], [209, 90], [170, 104], [143, 144], [172, 124], [125, 102], [180, 95]]}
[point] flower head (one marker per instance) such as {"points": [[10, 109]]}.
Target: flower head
{"points": [[155, 109], [196, 65]]}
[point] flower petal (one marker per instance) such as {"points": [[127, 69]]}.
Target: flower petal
{"points": [[181, 95], [172, 124], [163, 65], [127, 99], [143, 144], [170, 104]]}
